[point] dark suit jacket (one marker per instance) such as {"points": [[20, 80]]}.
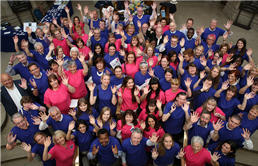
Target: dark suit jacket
{"points": [[8, 102]]}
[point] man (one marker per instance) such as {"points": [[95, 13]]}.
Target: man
{"points": [[172, 31], [38, 81], [250, 119], [175, 114], [96, 38], [39, 37], [185, 28], [172, 44], [202, 127], [21, 67], [189, 39], [201, 94], [106, 148], [12, 92], [23, 131], [57, 120], [232, 131], [134, 152]]}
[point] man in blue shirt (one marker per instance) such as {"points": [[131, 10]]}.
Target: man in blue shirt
{"points": [[106, 148], [57, 120], [96, 38], [23, 131]]}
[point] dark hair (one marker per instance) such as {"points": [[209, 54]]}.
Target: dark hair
{"points": [[50, 78], [215, 80], [153, 81], [129, 112], [191, 64], [243, 50], [125, 81], [169, 70], [236, 116], [76, 17], [38, 133], [80, 121], [236, 72], [233, 147], [111, 45], [102, 131], [171, 54], [156, 126], [233, 88], [149, 103], [79, 39], [51, 62], [79, 112], [180, 93], [26, 99], [205, 112], [189, 52], [161, 147], [32, 64], [190, 19], [102, 50], [100, 59]]}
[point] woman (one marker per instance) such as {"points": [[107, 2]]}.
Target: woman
{"points": [[227, 152], [150, 56], [130, 67], [224, 47], [173, 59], [128, 95], [105, 121], [211, 106], [142, 77], [83, 137], [216, 60], [126, 124], [98, 70], [82, 48], [159, 70], [239, 50], [165, 83], [58, 94], [61, 56], [103, 95], [153, 107], [196, 154], [113, 58], [97, 52], [63, 151], [74, 54], [166, 151], [198, 51], [61, 39], [112, 40], [38, 149], [79, 34], [117, 78], [228, 100], [151, 126], [76, 77], [129, 33], [76, 23], [153, 91], [174, 90]]}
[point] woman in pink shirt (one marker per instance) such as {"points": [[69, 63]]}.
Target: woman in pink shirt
{"points": [[196, 155], [126, 124], [173, 59], [224, 47], [63, 151], [150, 57], [211, 106], [79, 34], [152, 108], [112, 39], [83, 48], [134, 46], [58, 94], [76, 77], [61, 39], [128, 95], [130, 67], [152, 91], [164, 25]]}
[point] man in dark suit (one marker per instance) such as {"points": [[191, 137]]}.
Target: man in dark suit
{"points": [[12, 92]]}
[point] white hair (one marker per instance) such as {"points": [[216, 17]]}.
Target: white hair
{"points": [[197, 139]]}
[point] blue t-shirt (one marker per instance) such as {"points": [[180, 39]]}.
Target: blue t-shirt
{"points": [[83, 140], [30, 113], [105, 155], [185, 76], [202, 97], [104, 33], [96, 75], [135, 155], [169, 156], [179, 34], [225, 160], [160, 72], [140, 79], [85, 116], [189, 43], [63, 125], [41, 58], [165, 85], [251, 125], [102, 42], [110, 59], [23, 70], [129, 38], [25, 135], [114, 81], [214, 48], [145, 19], [39, 149], [217, 32], [95, 23], [169, 48], [176, 119]]}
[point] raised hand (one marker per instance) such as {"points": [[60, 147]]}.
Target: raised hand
{"points": [[182, 42], [215, 156], [248, 66], [165, 41], [81, 57], [172, 108], [67, 10], [151, 72], [36, 120], [249, 95], [136, 92], [210, 52], [72, 112], [113, 89], [91, 86], [225, 85], [54, 21], [202, 74], [114, 150], [11, 138], [91, 54], [65, 80], [154, 153], [92, 120], [33, 107], [185, 106], [139, 24], [246, 134], [183, 27], [26, 147], [51, 47], [63, 33], [194, 117], [171, 16], [86, 10], [181, 153], [225, 36], [249, 81], [188, 82], [154, 138], [180, 57], [12, 59], [33, 83], [159, 104], [146, 90], [15, 39], [47, 141], [228, 24], [71, 125], [218, 125], [60, 62], [143, 125], [152, 22], [112, 125], [154, 5], [79, 7], [203, 61], [23, 83], [95, 150], [43, 116], [249, 51]]}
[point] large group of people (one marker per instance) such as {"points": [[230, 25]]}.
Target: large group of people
{"points": [[135, 91]]}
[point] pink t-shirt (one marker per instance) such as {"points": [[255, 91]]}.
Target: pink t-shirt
{"points": [[84, 37], [77, 81], [127, 100], [63, 44], [213, 117], [197, 159], [170, 96], [161, 97], [85, 52], [131, 69], [63, 155], [165, 28], [60, 98], [125, 130], [143, 115], [117, 43], [173, 65], [148, 134], [82, 27], [133, 49], [224, 58]]}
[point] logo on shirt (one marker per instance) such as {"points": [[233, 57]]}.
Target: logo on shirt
{"points": [[71, 146]]}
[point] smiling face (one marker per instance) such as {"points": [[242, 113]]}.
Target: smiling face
{"points": [[136, 138], [130, 84], [54, 83], [21, 123], [82, 128], [128, 118], [197, 147], [233, 123], [22, 58], [168, 76], [100, 65], [151, 122], [56, 115], [6, 80], [83, 107], [240, 44], [40, 139], [111, 50], [168, 142], [105, 80], [204, 119], [226, 148], [103, 139], [60, 140], [106, 116], [130, 58], [181, 100]]}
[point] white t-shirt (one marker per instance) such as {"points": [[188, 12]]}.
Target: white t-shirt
{"points": [[16, 96]]}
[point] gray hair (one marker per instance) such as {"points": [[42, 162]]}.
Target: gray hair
{"points": [[74, 49], [197, 139], [19, 53], [53, 108], [71, 62], [137, 130], [143, 63], [16, 115], [37, 44]]}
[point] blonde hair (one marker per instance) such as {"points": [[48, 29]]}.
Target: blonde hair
{"points": [[175, 81], [58, 133]]}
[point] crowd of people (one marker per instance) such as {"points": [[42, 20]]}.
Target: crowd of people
{"points": [[146, 92]]}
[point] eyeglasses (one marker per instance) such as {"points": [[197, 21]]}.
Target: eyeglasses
{"points": [[18, 123]]}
